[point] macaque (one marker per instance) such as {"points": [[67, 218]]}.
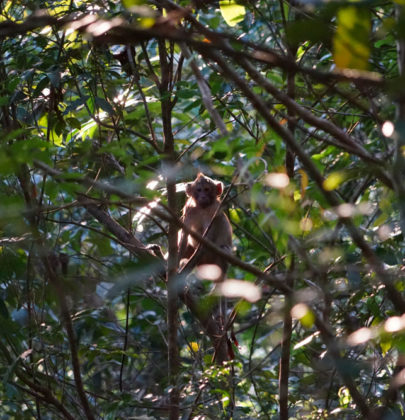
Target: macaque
{"points": [[201, 212]]}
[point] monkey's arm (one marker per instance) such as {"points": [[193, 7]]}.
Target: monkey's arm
{"points": [[183, 237], [185, 249]]}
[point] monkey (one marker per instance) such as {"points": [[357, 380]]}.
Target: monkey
{"points": [[202, 212]]}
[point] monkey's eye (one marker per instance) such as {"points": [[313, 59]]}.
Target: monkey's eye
{"points": [[199, 189], [206, 189]]}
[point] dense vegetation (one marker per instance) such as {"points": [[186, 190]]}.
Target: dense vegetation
{"points": [[107, 108]]}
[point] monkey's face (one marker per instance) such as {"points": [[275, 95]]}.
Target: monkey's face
{"points": [[204, 193]]}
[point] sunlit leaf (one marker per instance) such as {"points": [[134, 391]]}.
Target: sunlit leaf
{"points": [[351, 44], [194, 346], [232, 12], [344, 396], [333, 181], [128, 4], [146, 22], [304, 314], [48, 131], [234, 215], [385, 345], [304, 182]]}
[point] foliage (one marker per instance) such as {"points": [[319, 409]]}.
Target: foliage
{"points": [[104, 105]]}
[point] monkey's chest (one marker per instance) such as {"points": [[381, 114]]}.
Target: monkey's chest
{"points": [[200, 225]]}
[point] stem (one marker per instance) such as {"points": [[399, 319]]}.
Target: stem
{"points": [[284, 372], [125, 339], [172, 284]]}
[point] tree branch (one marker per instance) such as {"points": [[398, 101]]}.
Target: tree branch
{"points": [[205, 92], [123, 33]]}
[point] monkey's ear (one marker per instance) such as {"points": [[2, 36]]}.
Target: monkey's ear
{"points": [[189, 189], [220, 187]]}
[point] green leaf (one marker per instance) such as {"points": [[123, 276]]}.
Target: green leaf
{"points": [[43, 83], [104, 105], [186, 93], [315, 30], [55, 78], [74, 123], [232, 12], [3, 310]]}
